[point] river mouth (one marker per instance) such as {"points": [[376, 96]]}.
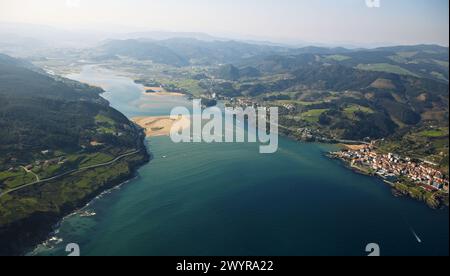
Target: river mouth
{"points": [[229, 200]]}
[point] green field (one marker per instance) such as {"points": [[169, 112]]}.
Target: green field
{"points": [[95, 159], [10, 180], [103, 119], [434, 133], [106, 125], [306, 103], [73, 161], [351, 110], [312, 116], [190, 85], [385, 67]]}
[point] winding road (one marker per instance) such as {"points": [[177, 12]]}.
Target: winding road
{"points": [[30, 171], [69, 172]]}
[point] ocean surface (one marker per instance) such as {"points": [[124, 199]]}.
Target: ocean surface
{"points": [[227, 199]]}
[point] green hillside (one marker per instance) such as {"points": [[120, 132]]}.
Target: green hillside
{"points": [[61, 144]]}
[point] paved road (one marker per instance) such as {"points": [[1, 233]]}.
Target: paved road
{"points": [[70, 172], [30, 171]]}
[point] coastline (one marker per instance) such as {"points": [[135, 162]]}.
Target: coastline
{"points": [[34, 251], [436, 200], [35, 229], [396, 189]]}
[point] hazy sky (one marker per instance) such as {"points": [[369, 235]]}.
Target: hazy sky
{"points": [[318, 21]]}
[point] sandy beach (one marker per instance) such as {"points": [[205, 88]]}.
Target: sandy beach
{"points": [[160, 125], [160, 92]]}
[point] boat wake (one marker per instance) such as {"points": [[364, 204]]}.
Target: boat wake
{"points": [[419, 240], [416, 236]]}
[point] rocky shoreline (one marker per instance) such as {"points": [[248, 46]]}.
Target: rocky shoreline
{"points": [[22, 236]]}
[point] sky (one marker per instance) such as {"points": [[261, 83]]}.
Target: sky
{"points": [[289, 21]]}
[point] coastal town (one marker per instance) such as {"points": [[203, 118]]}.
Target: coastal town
{"points": [[393, 168]]}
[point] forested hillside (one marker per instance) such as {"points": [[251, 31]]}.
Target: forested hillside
{"points": [[39, 113]]}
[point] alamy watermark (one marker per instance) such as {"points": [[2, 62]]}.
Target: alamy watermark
{"points": [[213, 125], [73, 249], [373, 249], [373, 3]]}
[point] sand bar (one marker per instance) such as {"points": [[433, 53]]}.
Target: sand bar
{"points": [[158, 91], [161, 125]]}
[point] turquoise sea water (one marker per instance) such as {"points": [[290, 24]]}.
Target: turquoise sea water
{"points": [[227, 199]]}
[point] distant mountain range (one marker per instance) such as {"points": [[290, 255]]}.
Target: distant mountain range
{"points": [[186, 51], [427, 61], [29, 38]]}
